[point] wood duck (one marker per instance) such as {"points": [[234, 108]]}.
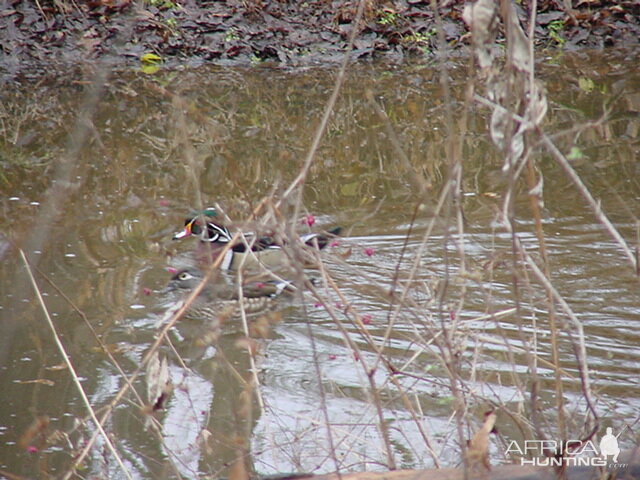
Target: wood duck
{"points": [[248, 250], [220, 301]]}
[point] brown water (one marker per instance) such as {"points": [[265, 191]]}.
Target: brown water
{"points": [[101, 244]]}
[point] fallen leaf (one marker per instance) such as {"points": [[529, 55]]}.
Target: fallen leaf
{"points": [[478, 449], [158, 383]]}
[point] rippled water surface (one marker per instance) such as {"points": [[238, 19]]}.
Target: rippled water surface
{"points": [[441, 299]]}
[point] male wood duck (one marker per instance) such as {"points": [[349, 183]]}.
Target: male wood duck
{"points": [[263, 250], [220, 301]]}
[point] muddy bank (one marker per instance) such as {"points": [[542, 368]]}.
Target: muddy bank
{"points": [[285, 33]]}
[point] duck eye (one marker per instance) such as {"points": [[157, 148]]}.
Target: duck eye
{"points": [[184, 276]]}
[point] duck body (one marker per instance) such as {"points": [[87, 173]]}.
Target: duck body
{"points": [[222, 301], [248, 249]]}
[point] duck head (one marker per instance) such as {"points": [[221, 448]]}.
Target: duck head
{"points": [[212, 232]]}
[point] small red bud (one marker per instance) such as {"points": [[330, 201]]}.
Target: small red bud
{"points": [[309, 220]]}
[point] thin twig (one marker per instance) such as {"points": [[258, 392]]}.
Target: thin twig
{"points": [[579, 344], [72, 370], [595, 205], [174, 316]]}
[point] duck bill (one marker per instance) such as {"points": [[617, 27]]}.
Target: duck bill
{"points": [[182, 233]]}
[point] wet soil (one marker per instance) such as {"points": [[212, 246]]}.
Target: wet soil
{"points": [[288, 33]]}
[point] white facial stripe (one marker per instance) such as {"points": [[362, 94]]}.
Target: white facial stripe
{"points": [[221, 234], [211, 239]]}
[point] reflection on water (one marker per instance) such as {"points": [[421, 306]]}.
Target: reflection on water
{"points": [[101, 259]]}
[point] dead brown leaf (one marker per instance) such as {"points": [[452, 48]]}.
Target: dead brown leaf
{"points": [[478, 449]]}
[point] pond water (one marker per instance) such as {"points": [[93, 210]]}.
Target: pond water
{"points": [[449, 324]]}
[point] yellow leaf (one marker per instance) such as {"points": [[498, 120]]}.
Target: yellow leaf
{"points": [[150, 63], [149, 69], [150, 58], [586, 84]]}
